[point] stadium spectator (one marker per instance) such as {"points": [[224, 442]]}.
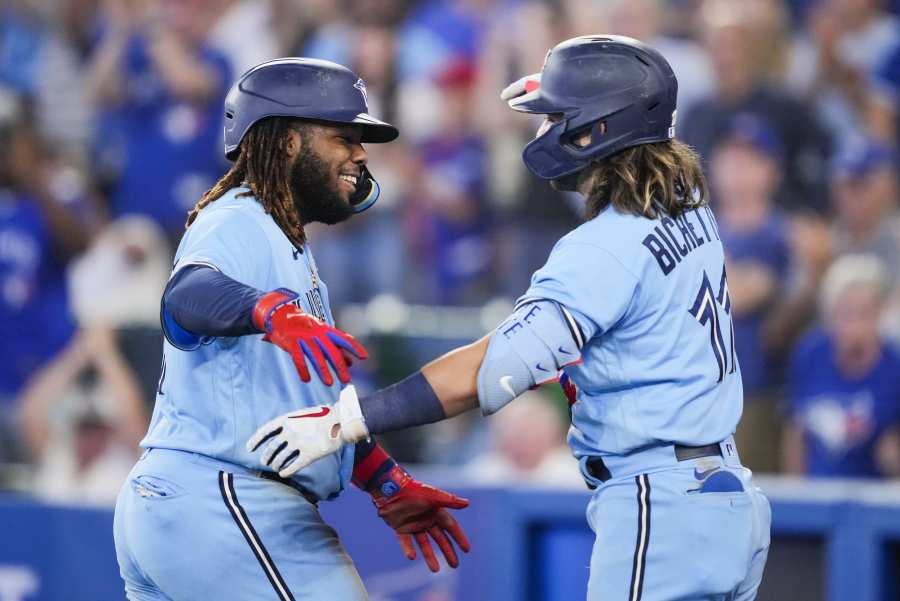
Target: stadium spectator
{"points": [[83, 418], [844, 405], [160, 90], [745, 173], [865, 191], [833, 62], [118, 283], [734, 39], [39, 60], [864, 184], [458, 219], [811, 250], [527, 444], [40, 231]]}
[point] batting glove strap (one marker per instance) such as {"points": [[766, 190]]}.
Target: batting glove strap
{"points": [[370, 471], [268, 304], [353, 425], [391, 482]]}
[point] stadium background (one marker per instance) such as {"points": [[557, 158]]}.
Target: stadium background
{"points": [[110, 124]]}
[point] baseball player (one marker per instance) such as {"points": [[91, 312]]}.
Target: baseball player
{"points": [[197, 519], [633, 307]]}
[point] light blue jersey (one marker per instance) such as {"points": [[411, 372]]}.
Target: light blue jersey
{"points": [[651, 300], [211, 400], [658, 369]]}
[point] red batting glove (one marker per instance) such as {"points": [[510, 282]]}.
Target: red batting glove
{"points": [[415, 511], [569, 388], [306, 338]]}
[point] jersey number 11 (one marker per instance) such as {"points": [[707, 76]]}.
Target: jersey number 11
{"points": [[705, 312]]}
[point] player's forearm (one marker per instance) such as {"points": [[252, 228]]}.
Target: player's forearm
{"points": [[443, 388], [454, 377], [206, 302]]}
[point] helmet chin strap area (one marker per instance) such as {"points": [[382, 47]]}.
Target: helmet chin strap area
{"points": [[367, 192]]}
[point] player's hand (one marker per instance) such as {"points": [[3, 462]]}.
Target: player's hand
{"points": [[418, 512], [569, 388], [296, 439], [306, 338]]}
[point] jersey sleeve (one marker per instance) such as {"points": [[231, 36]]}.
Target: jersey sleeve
{"points": [[230, 241], [591, 285]]}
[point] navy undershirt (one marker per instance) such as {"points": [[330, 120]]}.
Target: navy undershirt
{"points": [[206, 302]]}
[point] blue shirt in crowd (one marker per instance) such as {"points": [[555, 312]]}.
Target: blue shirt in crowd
{"points": [[842, 417], [165, 151], [34, 312], [767, 246]]}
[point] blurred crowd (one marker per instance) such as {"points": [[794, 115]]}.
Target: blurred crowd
{"points": [[111, 121]]}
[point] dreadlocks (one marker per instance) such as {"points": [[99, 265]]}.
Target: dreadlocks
{"points": [[261, 166]]}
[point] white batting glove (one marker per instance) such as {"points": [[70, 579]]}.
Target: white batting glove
{"points": [[295, 440]]}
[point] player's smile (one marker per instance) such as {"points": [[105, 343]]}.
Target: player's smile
{"points": [[349, 180]]}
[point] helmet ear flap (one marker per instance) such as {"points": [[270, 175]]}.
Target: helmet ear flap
{"points": [[367, 192], [586, 136]]}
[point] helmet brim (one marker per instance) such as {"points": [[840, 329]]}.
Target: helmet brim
{"points": [[526, 96], [375, 131]]}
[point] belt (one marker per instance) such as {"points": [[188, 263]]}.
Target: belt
{"points": [[598, 469], [276, 478]]}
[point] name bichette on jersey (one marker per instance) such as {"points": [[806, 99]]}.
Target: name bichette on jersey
{"points": [[676, 237]]}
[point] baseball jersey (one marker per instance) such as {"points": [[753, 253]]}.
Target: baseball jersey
{"points": [[211, 400], [842, 416], [650, 297]]}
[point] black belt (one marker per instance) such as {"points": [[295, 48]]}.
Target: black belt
{"points": [[598, 469], [276, 478]]}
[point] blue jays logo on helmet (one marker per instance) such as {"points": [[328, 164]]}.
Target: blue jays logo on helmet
{"points": [[361, 86], [616, 88]]}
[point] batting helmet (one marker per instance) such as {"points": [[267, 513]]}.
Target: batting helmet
{"points": [[612, 80], [305, 88]]}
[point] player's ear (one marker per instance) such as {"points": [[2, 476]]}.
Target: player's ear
{"points": [[293, 143]]}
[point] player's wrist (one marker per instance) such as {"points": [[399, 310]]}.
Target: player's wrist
{"points": [[392, 482], [353, 424], [370, 465], [407, 403], [266, 307]]}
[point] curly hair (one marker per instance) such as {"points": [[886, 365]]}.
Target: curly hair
{"points": [[261, 166], [647, 180]]}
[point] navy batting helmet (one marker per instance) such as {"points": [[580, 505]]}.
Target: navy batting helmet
{"points": [[616, 81], [304, 88]]}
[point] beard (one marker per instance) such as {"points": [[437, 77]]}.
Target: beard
{"points": [[315, 191]]}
